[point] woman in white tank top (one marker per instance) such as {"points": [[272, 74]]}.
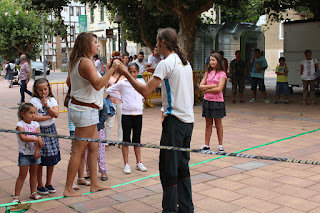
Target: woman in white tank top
{"points": [[87, 87]]}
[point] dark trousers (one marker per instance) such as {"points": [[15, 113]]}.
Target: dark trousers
{"points": [[174, 166], [134, 123], [23, 89]]}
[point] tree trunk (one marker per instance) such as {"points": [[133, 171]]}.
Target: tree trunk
{"points": [[186, 35]]}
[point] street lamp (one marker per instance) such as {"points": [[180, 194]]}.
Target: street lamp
{"points": [[118, 19]]}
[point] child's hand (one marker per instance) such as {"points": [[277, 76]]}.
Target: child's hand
{"points": [[230, 79], [44, 100], [37, 153], [40, 142]]}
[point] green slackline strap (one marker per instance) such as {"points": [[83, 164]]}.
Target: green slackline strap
{"points": [[155, 175]]}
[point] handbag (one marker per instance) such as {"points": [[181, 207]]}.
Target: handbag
{"points": [[67, 98]]}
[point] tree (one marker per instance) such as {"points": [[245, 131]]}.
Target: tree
{"points": [[143, 18], [57, 26], [275, 8], [20, 31], [244, 13]]}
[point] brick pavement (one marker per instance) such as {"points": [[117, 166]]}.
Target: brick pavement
{"points": [[223, 185]]}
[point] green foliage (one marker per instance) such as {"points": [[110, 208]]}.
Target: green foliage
{"points": [[246, 12], [20, 31], [309, 8], [56, 26]]}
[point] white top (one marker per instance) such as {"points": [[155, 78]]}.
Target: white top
{"points": [[309, 69], [83, 91], [27, 148], [141, 65], [131, 99], [42, 110], [177, 84], [98, 65], [154, 61]]}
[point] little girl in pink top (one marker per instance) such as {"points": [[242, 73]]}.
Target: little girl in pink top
{"points": [[213, 107]]}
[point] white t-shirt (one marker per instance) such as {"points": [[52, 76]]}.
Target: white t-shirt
{"points": [[131, 99], [154, 60], [309, 69], [27, 148], [42, 110], [98, 65], [141, 65], [177, 84]]}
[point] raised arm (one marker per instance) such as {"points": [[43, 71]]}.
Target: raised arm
{"points": [[144, 89], [88, 71]]}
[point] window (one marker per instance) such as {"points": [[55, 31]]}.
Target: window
{"points": [[78, 11], [281, 54], [72, 33], [281, 30], [92, 15], [71, 11], [102, 13]]}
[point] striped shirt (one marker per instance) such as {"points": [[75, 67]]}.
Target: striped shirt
{"points": [[24, 69]]}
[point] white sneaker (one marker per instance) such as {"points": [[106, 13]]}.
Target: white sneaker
{"points": [[141, 167], [127, 169]]}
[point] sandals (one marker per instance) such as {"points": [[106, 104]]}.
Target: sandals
{"points": [[83, 181], [75, 187], [35, 196], [16, 199], [104, 177]]}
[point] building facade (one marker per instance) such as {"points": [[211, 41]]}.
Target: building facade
{"points": [[56, 48], [99, 22], [274, 35]]}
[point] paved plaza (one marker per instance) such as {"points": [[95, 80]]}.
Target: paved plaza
{"points": [[219, 184]]}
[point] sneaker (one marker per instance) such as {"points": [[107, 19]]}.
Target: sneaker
{"points": [[205, 147], [286, 101], [50, 189], [221, 150], [127, 169], [233, 101], [141, 167], [242, 101], [277, 102], [42, 191], [267, 101], [252, 100]]}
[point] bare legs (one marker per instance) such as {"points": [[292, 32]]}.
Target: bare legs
{"points": [[48, 178], [75, 158], [208, 130]]}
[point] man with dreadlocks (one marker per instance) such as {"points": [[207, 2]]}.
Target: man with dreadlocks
{"points": [[176, 76]]}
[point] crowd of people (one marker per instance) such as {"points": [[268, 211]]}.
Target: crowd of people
{"points": [[98, 95]]}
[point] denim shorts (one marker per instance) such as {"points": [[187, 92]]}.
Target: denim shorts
{"points": [[84, 118], [26, 160], [282, 86]]}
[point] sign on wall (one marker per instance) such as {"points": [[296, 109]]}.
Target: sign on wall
{"points": [[82, 23]]}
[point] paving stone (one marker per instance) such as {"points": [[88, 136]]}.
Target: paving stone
{"points": [[132, 195], [251, 165], [135, 207], [201, 178], [296, 203], [256, 204], [94, 204]]}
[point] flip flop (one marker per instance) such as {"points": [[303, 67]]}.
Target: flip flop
{"points": [[75, 187], [35, 196], [86, 183]]}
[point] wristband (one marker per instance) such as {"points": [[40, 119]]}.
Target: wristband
{"points": [[46, 105]]}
